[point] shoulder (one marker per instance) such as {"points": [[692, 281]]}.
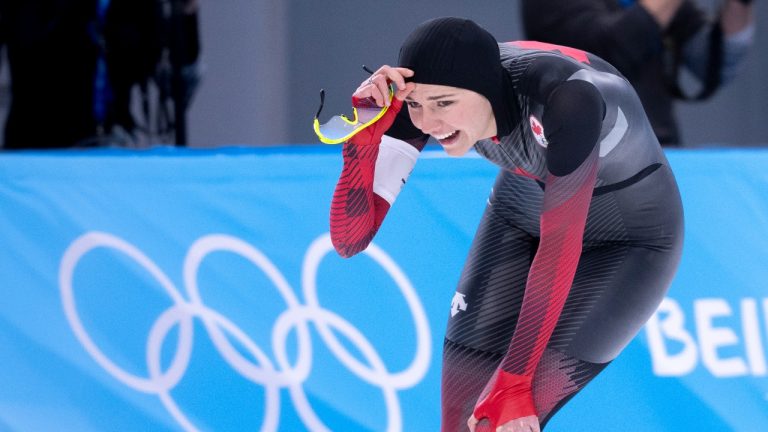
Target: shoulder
{"points": [[538, 67]]}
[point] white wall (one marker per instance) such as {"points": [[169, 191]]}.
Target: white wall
{"points": [[241, 96]]}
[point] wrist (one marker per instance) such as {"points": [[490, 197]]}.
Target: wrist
{"points": [[510, 397], [393, 167], [372, 134]]}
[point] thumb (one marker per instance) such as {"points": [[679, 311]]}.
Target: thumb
{"points": [[472, 423]]}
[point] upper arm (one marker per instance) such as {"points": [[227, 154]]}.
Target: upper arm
{"points": [[573, 118]]}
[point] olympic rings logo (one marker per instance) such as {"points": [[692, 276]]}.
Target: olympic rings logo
{"points": [[273, 376]]}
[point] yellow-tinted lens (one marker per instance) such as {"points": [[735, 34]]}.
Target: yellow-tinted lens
{"points": [[339, 128]]}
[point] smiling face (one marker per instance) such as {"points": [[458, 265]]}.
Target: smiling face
{"points": [[456, 117]]}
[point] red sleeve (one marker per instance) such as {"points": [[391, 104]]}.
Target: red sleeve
{"points": [[563, 218], [356, 212]]}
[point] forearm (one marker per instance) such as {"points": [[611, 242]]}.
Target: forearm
{"points": [[551, 275], [736, 16], [735, 48], [365, 190], [737, 41], [371, 180], [356, 212]]}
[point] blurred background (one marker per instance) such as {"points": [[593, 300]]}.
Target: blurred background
{"points": [[262, 64]]}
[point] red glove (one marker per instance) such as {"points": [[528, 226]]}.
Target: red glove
{"points": [[373, 133], [510, 398]]}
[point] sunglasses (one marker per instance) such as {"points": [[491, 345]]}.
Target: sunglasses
{"points": [[340, 128]]}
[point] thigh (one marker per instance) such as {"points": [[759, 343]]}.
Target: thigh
{"points": [[614, 292], [632, 248], [491, 286]]}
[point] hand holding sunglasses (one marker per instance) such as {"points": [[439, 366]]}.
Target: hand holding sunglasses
{"points": [[375, 103]]}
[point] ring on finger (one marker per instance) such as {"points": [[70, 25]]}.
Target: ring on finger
{"points": [[370, 80]]}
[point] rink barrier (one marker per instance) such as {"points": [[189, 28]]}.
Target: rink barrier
{"points": [[183, 289]]}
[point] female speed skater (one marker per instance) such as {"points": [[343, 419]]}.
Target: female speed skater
{"points": [[582, 233]]}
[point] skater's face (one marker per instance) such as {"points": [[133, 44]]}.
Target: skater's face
{"points": [[457, 118]]}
